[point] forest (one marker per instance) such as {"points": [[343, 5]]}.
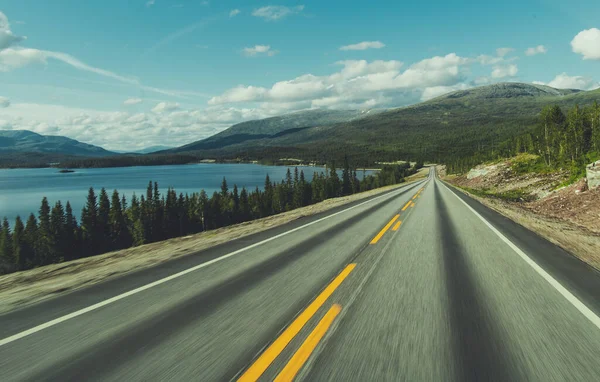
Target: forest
{"points": [[109, 223], [563, 140]]}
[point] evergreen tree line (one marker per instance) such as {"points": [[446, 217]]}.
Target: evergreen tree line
{"points": [[110, 223], [562, 140]]}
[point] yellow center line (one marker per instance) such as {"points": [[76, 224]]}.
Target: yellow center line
{"points": [[406, 206], [397, 226], [269, 355], [384, 230], [299, 359]]}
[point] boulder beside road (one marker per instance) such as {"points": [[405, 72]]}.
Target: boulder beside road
{"points": [[592, 174]]}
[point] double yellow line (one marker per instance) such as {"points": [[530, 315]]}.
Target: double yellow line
{"points": [[301, 356], [411, 204]]}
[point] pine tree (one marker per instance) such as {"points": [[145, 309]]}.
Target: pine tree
{"points": [[235, 212], [139, 236], [118, 233], [216, 218], [299, 189], [103, 221], [267, 198], [182, 208], [44, 242], [346, 181], [205, 210], [89, 225], [289, 191], [224, 188], [355, 183], [595, 124], [134, 210], [7, 260], [171, 214], [19, 244], [244, 205], [333, 183], [30, 236], [71, 234], [57, 231], [158, 210]]}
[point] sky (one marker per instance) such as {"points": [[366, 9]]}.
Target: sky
{"points": [[128, 74]]}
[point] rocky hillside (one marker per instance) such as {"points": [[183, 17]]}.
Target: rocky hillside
{"points": [[516, 181]]}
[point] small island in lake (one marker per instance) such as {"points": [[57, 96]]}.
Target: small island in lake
{"points": [[66, 171]]}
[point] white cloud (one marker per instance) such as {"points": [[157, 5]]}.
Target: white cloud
{"points": [[7, 38], [4, 102], [132, 101], [587, 43], [358, 84], [259, 49], [163, 107], [540, 49], [240, 94], [564, 81], [276, 12], [364, 45], [150, 3], [501, 52], [234, 12], [502, 71]]}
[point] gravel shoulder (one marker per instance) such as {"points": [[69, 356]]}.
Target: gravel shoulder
{"points": [[27, 287]]}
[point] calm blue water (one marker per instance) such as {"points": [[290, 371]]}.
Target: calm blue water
{"points": [[21, 191]]}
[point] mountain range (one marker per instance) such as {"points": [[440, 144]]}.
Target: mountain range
{"points": [[454, 124]]}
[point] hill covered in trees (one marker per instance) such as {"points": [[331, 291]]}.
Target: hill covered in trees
{"points": [[109, 223], [563, 138], [456, 125]]}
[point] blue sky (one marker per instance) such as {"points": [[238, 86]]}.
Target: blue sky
{"points": [[126, 74]]}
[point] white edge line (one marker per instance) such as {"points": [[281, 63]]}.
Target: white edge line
{"points": [[90, 308], [580, 306]]}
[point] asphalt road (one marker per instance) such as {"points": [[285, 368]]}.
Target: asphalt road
{"points": [[419, 284]]}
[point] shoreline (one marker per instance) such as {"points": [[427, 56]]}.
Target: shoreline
{"points": [[203, 162]]}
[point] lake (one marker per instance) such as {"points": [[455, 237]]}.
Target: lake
{"points": [[22, 190]]}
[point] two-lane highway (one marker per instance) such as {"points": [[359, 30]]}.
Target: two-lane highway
{"points": [[421, 283]]}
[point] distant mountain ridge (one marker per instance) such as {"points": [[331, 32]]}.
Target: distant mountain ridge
{"points": [[455, 123], [274, 127], [508, 90], [25, 141]]}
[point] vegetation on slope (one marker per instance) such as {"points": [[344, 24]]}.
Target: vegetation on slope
{"points": [[560, 141]]}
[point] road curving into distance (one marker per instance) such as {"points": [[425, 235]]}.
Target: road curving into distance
{"points": [[421, 283]]}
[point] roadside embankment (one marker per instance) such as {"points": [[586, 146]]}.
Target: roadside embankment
{"points": [[26, 287]]}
